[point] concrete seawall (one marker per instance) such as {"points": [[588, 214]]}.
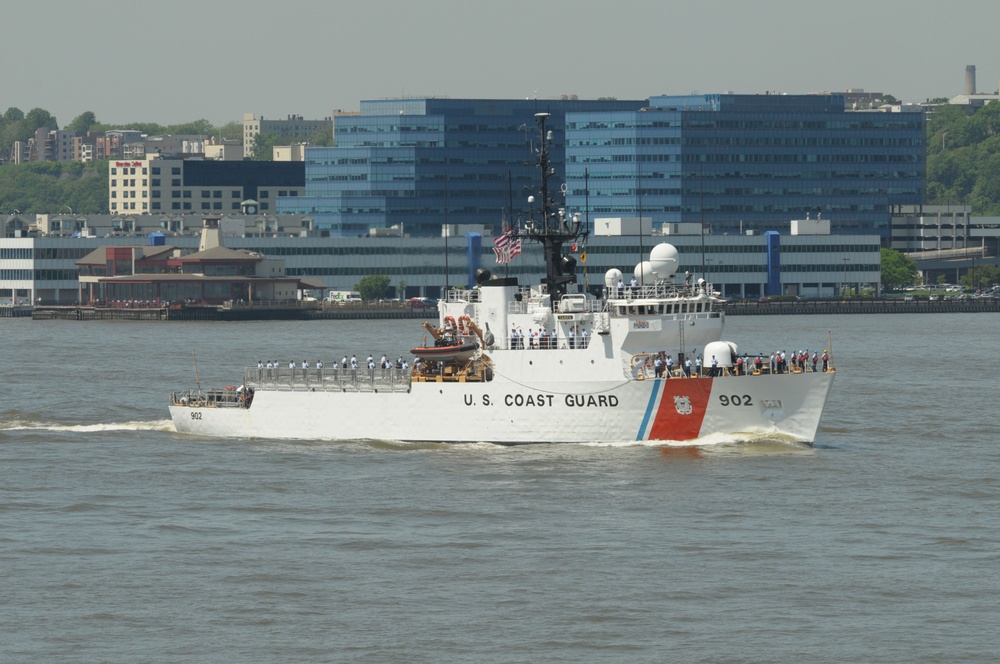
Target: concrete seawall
{"points": [[801, 307]]}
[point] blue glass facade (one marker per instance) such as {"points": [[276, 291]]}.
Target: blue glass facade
{"points": [[743, 162], [422, 163]]}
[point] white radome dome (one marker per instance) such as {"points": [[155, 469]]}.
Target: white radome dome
{"points": [[612, 277], [644, 273], [665, 260]]}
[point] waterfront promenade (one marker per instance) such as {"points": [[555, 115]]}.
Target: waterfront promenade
{"points": [[860, 306], [296, 311]]}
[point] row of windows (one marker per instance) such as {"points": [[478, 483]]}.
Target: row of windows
{"points": [[913, 123], [177, 205], [15, 254], [130, 170]]}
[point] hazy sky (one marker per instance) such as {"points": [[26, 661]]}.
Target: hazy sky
{"points": [[172, 62]]}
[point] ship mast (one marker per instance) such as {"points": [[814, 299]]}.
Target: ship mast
{"points": [[554, 228]]}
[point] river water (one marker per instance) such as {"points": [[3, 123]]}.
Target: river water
{"points": [[121, 541]]}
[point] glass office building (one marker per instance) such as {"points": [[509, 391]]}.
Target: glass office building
{"points": [[742, 163], [421, 163]]}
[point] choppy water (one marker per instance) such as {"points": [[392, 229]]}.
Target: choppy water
{"points": [[121, 541]]}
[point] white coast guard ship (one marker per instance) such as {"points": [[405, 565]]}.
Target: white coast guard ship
{"points": [[513, 364]]}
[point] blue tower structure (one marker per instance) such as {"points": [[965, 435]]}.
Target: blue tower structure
{"points": [[421, 163], [747, 162]]}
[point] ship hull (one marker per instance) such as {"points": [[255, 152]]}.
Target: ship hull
{"points": [[677, 409]]}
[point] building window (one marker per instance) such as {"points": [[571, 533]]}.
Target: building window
{"points": [[156, 205], [205, 205], [155, 193], [114, 171], [205, 193], [265, 206], [156, 182], [176, 170], [236, 193], [144, 169], [187, 206], [156, 170], [217, 193], [282, 192], [176, 182], [175, 206], [264, 194], [187, 193], [114, 183], [236, 206], [216, 206], [175, 194]]}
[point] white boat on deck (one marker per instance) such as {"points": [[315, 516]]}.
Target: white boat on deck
{"points": [[538, 364]]}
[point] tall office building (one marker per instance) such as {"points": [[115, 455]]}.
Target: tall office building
{"points": [[421, 163], [740, 163]]}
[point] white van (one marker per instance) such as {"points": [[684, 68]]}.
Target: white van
{"points": [[344, 297]]}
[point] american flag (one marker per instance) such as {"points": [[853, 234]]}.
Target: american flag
{"points": [[506, 246]]}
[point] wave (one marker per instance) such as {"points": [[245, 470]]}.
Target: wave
{"points": [[138, 425]]}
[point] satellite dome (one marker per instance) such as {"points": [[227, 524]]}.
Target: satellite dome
{"points": [[664, 260]]}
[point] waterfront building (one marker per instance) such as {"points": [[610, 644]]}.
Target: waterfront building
{"points": [[154, 274], [295, 128], [747, 162], [157, 186], [424, 162], [44, 267]]}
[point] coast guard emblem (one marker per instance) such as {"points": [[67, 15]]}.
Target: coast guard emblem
{"points": [[683, 405]]}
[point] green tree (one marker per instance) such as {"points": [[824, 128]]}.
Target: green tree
{"points": [[322, 137], [197, 127], [981, 277], [231, 131], [82, 123], [262, 146], [41, 187], [373, 287], [898, 269], [39, 117]]}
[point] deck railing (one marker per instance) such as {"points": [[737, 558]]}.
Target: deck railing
{"points": [[331, 379]]}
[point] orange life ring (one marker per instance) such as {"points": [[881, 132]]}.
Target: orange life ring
{"points": [[449, 323], [462, 327], [230, 388]]}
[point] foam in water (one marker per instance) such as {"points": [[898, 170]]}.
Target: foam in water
{"points": [[153, 425]]}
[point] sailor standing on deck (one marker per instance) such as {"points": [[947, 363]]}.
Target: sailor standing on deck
{"points": [[260, 369]]}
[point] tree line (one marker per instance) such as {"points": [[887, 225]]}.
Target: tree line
{"points": [[60, 187]]}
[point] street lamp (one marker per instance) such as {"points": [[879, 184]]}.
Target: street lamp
{"points": [[843, 291]]}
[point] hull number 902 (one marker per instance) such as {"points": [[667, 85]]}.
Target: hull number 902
{"points": [[735, 400], [195, 414]]}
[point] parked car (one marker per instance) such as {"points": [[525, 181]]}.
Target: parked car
{"points": [[421, 303]]}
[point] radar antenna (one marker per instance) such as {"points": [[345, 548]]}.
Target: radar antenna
{"points": [[554, 228]]}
